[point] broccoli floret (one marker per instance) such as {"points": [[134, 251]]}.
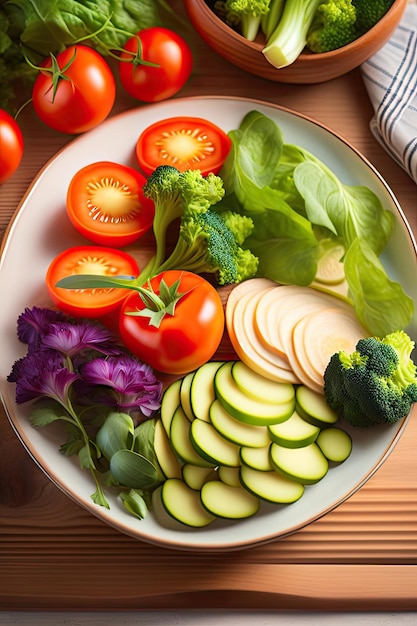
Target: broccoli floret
{"points": [[369, 12], [231, 18], [376, 384], [176, 194], [290, 36], [210, 242], [250, 12], [333, 26]]}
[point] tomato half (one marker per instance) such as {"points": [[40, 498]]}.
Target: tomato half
{"points": [[183, 341], [172, 59], [11, 146], [83, 98], [105, 203], [184, 142], [89, 260]]}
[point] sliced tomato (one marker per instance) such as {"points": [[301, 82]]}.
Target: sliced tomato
{"points": [[89, 260], [105, 203], [184, 142]]}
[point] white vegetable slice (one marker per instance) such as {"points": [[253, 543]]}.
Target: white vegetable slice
{"points": [[235, 430], [185, 395], [202, 391], [184, 504], [195, 476], [212, 446], [271, 486], [335, 443], [181, 443], [259, 387], [167, 460], [169, 403], [245, 408], [228, 502], [307, 465], [257, 458], [313, 407], [322, 333], [295, 432], [243, 336]]}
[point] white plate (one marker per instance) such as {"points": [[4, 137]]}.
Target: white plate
{"points": [[40, 230]]}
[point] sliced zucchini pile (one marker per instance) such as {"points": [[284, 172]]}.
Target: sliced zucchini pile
{"points": [[228, 439]]}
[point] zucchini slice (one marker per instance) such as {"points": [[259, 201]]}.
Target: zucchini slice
{"points": [[184, 504], [236, 431], [181, 442], [260, 388], [167, 460], [257, 458], [307, 465], [335, 443], [229, 475], [228, 502], [312, 407], [195, 476], [271, 486], [295, 432], [169, 403], [245, 408], [212, 446], [202, 391], [185, 395]]}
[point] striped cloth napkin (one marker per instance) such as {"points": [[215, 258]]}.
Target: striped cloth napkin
{"points": [[390, 77]]}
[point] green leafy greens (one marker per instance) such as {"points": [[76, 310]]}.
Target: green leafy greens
{"points": [[35, 28], [299, 208]]}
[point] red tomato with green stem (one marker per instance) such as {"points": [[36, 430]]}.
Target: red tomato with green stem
{"points": [[74, 91], [183, 142], [106, 204], [184, 336], [97, 260], [11, 146], [156, 64]]}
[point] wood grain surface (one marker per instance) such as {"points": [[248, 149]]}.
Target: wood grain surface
{"points": [[362, 556]]}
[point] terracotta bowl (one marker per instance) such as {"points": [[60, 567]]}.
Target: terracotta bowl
{"points": [[309, 67]]}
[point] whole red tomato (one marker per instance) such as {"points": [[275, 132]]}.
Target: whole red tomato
{"points": [[11, 146], [85, 91], [172, 64], [182, 341]]}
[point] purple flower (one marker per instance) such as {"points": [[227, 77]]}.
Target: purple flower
{"points": [[42, 374], [34, 323], [72, 339], [132, 385]]}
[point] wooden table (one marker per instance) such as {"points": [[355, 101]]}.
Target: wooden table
{"points": [[363, 556]]}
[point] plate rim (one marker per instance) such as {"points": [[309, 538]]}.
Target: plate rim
{"points": [[91, 507]]}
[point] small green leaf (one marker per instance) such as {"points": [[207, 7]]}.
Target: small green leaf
{"points": [[134, 502], [144, 444], [86, 460], [117, 433], [98, 497], [90, 281], [43, 416], [133, 470], [71, 447]]}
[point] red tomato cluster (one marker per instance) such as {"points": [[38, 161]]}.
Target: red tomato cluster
{"points": [[75, 91]]}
